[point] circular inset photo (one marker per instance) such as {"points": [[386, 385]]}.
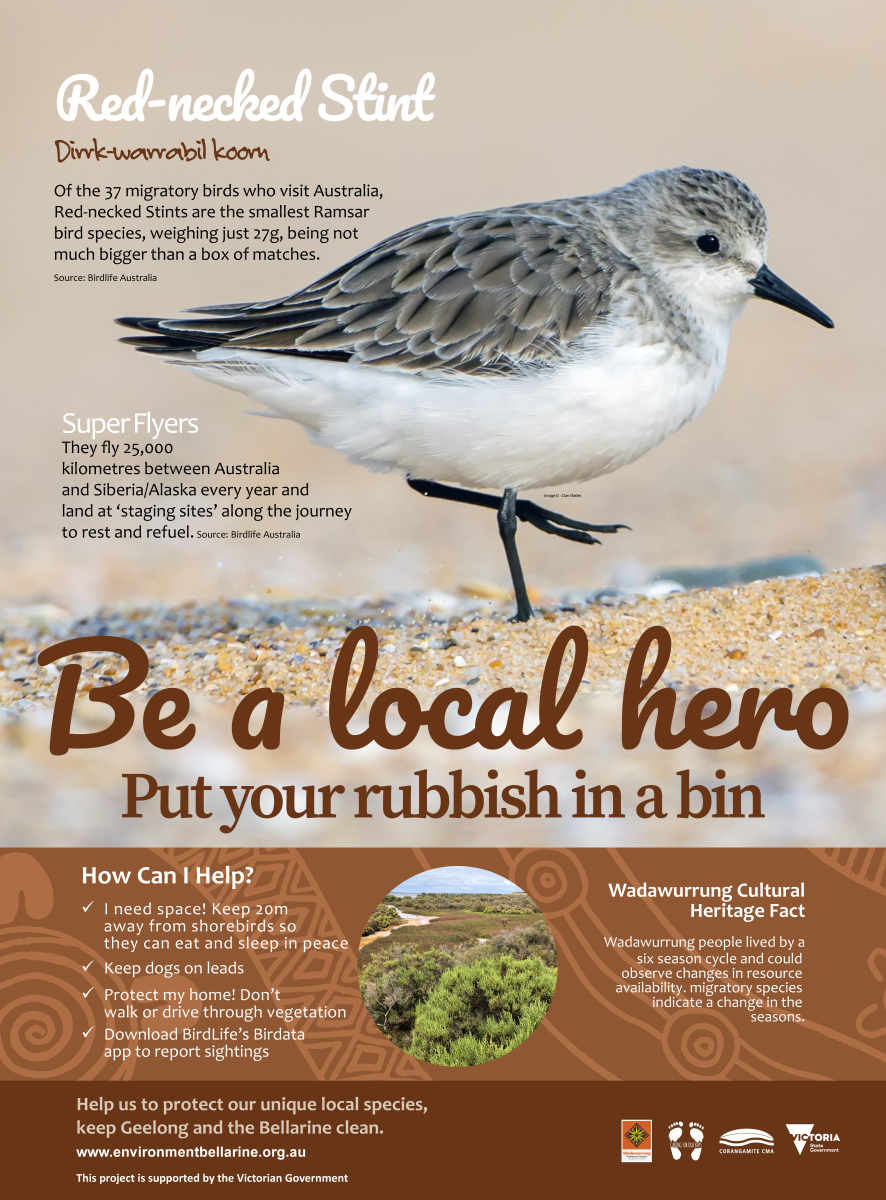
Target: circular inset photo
{"points": [[457, 966]]}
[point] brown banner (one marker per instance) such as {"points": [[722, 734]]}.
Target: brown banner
{"points": [[538, 1138], [797, 993]]}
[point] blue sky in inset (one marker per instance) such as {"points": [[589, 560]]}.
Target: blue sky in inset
{"points": [[455, 879]]}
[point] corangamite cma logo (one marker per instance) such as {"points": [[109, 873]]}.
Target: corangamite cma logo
{"points": [[803, 1134], [747, 1141], [636, 1141]]}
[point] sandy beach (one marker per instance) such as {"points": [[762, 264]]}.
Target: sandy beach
{"points": [[801, 633]]}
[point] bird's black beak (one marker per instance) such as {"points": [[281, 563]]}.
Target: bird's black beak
{"points": [[767, 285]]}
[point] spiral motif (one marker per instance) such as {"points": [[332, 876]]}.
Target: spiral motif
{"points": [[44, 1017], [554, 879], [701, 1047]]}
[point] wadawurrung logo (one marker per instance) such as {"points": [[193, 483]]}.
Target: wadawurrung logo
{"points": [[803, 1134], [686, 1147], [636, 1141]]}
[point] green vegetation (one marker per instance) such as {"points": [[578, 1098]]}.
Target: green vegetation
{"points": [[493, 902], [482, 1010], [396, 983], [383, 916], [529, 941], [441, 994]]}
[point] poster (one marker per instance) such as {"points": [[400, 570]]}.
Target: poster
{"points": [[442, 697]]}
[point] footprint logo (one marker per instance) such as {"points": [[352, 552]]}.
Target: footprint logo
{"points": [[696, 1132], [675, 1132]]}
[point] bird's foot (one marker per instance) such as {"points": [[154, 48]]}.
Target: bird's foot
{"points": [[566, 527]]}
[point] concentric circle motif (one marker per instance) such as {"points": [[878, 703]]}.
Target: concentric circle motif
{"points": [[553, 878], [701, 1047]]}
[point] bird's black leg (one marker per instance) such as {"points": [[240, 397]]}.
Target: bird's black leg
{"points": [[507, 528], [442, 491], [511, 510], [547, 520], [526, 510]]}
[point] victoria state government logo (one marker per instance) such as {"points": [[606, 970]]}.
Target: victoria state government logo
{"points": [[636, 1141], [821, 1143]]}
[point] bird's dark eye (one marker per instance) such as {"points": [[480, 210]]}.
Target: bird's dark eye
{"points": [[707, 243]]}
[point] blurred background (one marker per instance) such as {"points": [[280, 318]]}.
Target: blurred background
{"points": [[530, 104]]}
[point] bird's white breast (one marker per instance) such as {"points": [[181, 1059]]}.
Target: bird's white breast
{"points": [[594, 412]]}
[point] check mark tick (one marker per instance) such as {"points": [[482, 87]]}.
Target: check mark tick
{"points": [[85, 994], [87, 907], [88, 1032], [89, 964]]}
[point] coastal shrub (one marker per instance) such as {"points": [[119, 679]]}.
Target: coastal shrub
{"points": [[526, 941], [482, 1010], [396, 981], [382, 917]]}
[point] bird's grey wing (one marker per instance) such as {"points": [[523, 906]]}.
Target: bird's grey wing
{"points": [[478, 293]]}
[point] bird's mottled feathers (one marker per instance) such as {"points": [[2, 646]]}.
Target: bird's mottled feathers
{"points": [[486, 292], [475, 293]]}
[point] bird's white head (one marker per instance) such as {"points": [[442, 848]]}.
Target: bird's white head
{"points": [[705, 236]]}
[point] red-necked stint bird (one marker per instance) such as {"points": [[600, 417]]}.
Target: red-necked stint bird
{"points": [[523, 347]]}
